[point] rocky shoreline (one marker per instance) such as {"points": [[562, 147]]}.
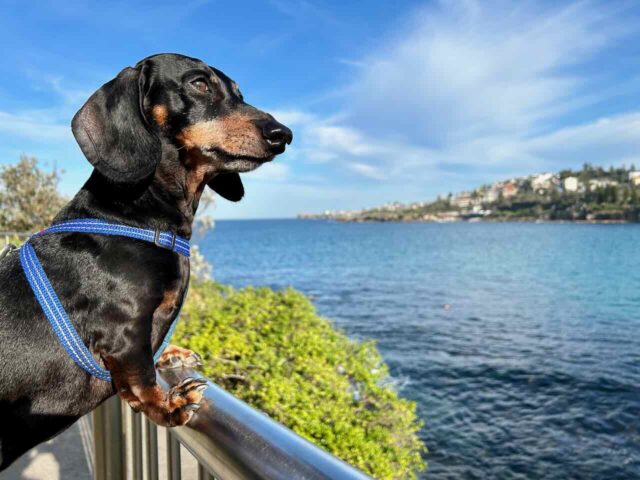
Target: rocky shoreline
{"points": [[474, 220]]}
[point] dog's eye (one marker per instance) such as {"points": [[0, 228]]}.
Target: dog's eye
{"points": [[200, 85]]}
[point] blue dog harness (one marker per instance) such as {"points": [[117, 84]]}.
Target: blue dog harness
{"points": [[50, 303]]}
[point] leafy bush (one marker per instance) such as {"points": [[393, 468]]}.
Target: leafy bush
{"points": [[29, 198], [272, 350]]}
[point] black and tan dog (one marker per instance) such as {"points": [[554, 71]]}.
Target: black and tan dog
{"points": [[157, 135]]}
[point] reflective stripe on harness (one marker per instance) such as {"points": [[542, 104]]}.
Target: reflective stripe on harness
{"points": [[49, 302]]}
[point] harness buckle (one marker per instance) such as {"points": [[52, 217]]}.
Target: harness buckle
{"points": [[156, 240]]}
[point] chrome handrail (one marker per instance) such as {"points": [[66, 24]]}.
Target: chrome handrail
{"points": [[229, 439]]}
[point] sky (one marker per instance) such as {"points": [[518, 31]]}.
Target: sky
{"points": [[388, 101]]}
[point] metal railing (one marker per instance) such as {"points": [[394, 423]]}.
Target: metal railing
{"points": [[229, 439]]}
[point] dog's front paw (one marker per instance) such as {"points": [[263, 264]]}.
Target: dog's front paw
{"points": [[185, 399], [178, 357]]}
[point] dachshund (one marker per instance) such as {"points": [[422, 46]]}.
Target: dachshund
{"points": [[156, 135]]}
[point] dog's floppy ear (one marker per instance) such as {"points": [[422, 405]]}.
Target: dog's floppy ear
{"points": [[228, 185], [113, 132]]}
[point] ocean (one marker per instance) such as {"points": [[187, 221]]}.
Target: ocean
{"points": [[519, 342]]}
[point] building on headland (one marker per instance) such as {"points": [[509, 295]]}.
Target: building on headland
{"points": [[491, 194], [571, 184], [634, 178], [601, 183], [543, 182], [509, 189], [462, 200]]}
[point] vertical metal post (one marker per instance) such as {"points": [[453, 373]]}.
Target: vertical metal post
{"points": [[115, 446], [173, 457], [136, 446], [150, 449], [99, 443], [108, 441]]}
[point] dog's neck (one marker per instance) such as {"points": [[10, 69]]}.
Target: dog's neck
{"points": [[168, 200]]}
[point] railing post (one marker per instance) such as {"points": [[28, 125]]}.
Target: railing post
{"points": [[99, 443], [136, 445], [150, 449], [108, 445], [173, 456]]}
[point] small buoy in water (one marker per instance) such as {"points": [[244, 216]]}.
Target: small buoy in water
{"points": [[446, 306]]}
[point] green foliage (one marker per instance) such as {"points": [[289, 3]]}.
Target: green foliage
{"points": [[29, 198], [272, 350]]}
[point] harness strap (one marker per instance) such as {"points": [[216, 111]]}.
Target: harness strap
{"points": [[166, 240], [50, 303]]}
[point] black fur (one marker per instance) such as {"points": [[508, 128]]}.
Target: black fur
{"points": [[112, 129], [121, 294], [228, 185]]}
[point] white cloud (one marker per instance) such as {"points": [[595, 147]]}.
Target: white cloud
{"points": [[33, 127], [366, 170], [70, 96], [469, 86], [468, 69], [613, 139], [48, 124]]}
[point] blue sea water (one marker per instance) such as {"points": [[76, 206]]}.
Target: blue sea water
{"points": [[519, 342]]}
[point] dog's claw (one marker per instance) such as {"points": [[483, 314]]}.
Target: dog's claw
{"points": [[192, 407], [186, 399], [184, 388], [198, 359]]}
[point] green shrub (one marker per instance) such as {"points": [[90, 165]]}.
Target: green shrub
{"points": [[272, 350]]}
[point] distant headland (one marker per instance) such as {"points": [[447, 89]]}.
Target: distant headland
{"points": [[592, 194]]}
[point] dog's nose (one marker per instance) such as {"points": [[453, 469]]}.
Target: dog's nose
{"points": [[276, 135]]}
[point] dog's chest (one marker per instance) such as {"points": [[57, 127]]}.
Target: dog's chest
{"points": [[168, 310]]}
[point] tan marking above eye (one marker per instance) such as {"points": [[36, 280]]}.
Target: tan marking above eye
{"points": [[160, 114]]}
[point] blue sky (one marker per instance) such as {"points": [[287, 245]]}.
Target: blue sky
{"points": [[388, 100]]}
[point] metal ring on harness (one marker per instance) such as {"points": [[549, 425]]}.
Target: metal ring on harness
{"points": [[156, 240]]}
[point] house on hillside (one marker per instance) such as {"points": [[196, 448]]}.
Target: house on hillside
{"points": [[510, 189], [491, 195], [634, 178], [595, 183], [571, 184], [462, 200], [543, 182]]}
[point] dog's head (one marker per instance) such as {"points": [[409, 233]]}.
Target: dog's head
{"points": [[173, 102]]}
